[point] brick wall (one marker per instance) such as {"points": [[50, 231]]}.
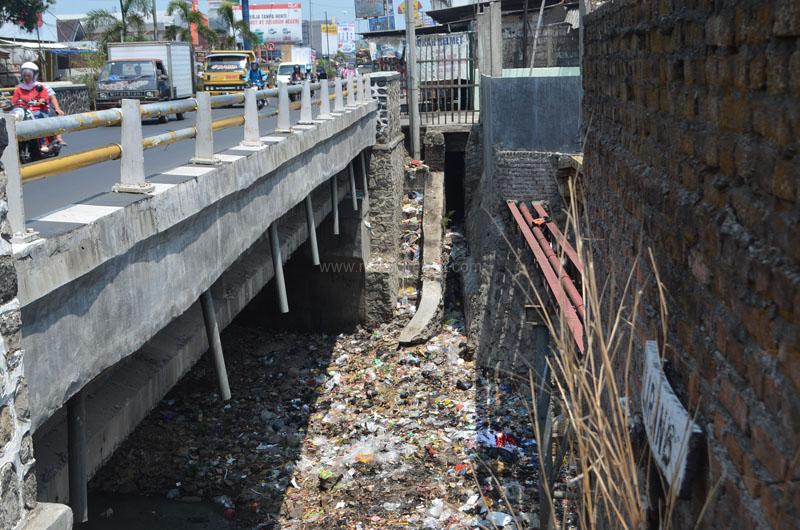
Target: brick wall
{"points": [[527, 176], [557, 44], [695, 119], [17, 478]]}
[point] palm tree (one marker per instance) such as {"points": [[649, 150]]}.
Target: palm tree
{"points": [[114, 29], [189, 17], [232, 27]]}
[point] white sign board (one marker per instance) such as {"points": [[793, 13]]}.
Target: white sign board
{"points": [[673, 437], [443, 57], [280, 23]]}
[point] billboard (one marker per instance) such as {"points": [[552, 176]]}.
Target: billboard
{"points": [[370, 8], [443, 57], [347, 38], [275, 22], [329, 35]]}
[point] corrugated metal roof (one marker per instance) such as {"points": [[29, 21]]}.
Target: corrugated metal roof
{"points": [[573, 18]]}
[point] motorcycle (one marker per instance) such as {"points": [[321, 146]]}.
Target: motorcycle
{"points": [[258, 85], [31, 150]]}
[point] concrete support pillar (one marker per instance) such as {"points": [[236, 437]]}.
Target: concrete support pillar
{"points": [[215, 344], [353, 191], [76, 454], [363, 158], [335, 204], [338, 102], [204, 140], [351, 95], [284, 123], [305, 104], [132, 163], [324, 100], [277, 265], [312, 230], [252, 133]]}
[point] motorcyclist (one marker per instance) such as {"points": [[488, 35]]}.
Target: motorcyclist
{"points": [[297, 74], [255, 75], [32, 95]]}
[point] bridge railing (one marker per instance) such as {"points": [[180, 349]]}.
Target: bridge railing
{"points": [[130, 149]]}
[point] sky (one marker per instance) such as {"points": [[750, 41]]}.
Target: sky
{"points": [[342, 10]]}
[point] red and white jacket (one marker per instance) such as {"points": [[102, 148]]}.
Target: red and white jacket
{"points": [[35, 99]]}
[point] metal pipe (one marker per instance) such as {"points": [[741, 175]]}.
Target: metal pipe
{"points": [[353, 185], [224, 123], [76, 455], [162, 108], [214, 343], [170, 137], [560, 239], [225, 100], [335, 203], [574, 296], [277, 265], [56, 166], [312, 230], [32, 129]]}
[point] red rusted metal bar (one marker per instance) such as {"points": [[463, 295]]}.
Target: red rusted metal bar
{"points": [[573, 322], [560, 239], [574, 296]]}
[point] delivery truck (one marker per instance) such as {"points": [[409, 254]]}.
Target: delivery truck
{"points": [[147, 71]]}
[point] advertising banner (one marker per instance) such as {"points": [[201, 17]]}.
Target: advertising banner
{"points": [[442, 57], [347, 38], [275, 22], [370, 8], [329, 35]]}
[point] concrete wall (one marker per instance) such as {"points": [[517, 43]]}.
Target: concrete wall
{"points": [[96, 294], [545, 111], [73, 98], [694, 149], [17, 478], [386, 189], [557, 44]]}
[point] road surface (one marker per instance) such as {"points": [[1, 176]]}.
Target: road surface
{"points": [[46, 195]]}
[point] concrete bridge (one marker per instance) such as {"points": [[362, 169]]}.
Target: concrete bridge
{"points": [[115, 291]]}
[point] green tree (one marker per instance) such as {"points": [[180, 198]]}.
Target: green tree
{"points": [[23, 13], [231, 28], [115, 30], [182, 32]]}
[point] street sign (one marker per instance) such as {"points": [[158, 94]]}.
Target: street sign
{"points": [[271, 46]]}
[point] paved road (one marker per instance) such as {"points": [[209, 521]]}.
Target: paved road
{"points": [[44, 196]]}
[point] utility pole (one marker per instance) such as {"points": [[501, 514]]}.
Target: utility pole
{"points": [[155, 22], [411, 78], [327, 37], [246, 19]]}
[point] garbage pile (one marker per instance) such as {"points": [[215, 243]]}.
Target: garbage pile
{"points": [[344, 431], [410, 252]]}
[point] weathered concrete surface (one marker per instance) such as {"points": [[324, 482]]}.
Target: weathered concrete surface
{"points": [[97, 294], [49, 516], [122, 396], [426, 320]]}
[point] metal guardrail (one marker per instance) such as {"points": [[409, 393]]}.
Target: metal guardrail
{"points": [[132, 145]]}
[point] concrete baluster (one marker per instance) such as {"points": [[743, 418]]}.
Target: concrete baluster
{"points": [[284, 124], [204, 139], [214, 343], [335, 203], [16, 206], [77, 472], [353, 194], [252, 133], [305, 104], [367, 86], [312, 230], [324, 100], [277, 265], [338, 102], [351, 95], [358, 89], [132, 164]]}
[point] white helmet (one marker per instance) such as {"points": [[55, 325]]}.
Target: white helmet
{"points": [[29, 66]]}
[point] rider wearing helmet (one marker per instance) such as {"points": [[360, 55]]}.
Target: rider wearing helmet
{"points": [[31, 94], [255, 75]]}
